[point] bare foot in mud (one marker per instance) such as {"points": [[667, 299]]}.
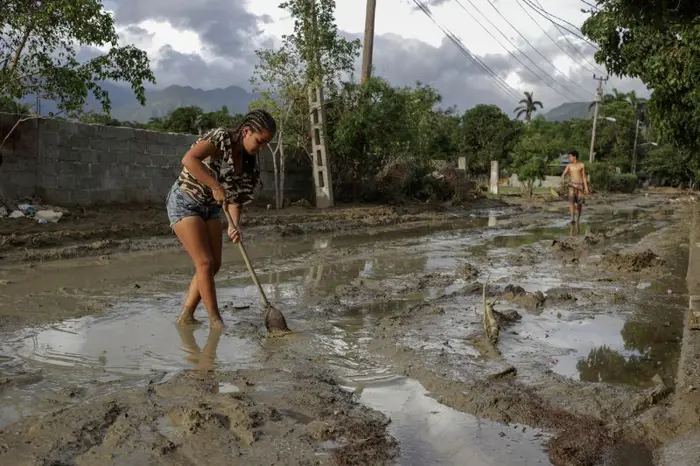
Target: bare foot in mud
{"points": [[186, 319], [216, 323]]}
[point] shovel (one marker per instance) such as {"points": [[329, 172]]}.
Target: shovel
{"points": [[274, 319]]}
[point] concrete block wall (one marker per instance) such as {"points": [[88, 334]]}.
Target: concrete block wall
{"points": [[68, 163]]}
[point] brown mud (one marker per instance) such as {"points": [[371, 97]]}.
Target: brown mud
{"points": [[386, 366]]}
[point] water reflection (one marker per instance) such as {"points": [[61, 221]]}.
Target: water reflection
{"points": [[204, 358], [652, 347]]}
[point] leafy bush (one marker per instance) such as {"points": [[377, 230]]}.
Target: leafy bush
{"points": [[604, 178]]}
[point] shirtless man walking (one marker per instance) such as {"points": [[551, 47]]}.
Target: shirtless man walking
{"points": [[578, 185]]}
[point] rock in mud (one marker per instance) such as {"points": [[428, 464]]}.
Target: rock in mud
{"points": [[632, 262], [468, 272], [518, 295]]}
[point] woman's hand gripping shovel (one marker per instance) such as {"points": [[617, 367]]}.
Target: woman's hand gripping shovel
{"points": [[274, 319]]}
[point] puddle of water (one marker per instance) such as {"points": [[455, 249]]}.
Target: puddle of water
{"points": [[133, 342], [431, 433], [428, 432]]}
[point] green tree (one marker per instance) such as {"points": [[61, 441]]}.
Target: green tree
{"points": [[38, 53], [323, 55], [527, 106], [659, 44], [39, 40], [279, 80], [533, 153], [485, 134]]}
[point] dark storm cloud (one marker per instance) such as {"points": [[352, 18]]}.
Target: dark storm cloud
{"points": [[225, 26], [173, 67], [229, 30]]}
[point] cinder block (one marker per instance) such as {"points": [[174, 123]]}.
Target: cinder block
{"points": [[64, 167], [118, 145], [66, 181], [99, 143], [49, 181], [89, 156], [69, 154]]}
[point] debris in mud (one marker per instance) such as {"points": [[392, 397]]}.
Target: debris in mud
{"points": [[302, 203], [518, 295], [632, 262], [559, 294], [468, 272], [491, 325], [291, 229]]}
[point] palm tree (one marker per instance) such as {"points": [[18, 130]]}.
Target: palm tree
{"points": [[527, 107], [614, 96]]}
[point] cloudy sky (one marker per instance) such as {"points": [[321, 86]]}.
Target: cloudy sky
{"points": [[211, 43]]}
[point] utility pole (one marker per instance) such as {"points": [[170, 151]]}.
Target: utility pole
{"points": [[317, 117], [634, 151], [598, 99], [368, 47]]}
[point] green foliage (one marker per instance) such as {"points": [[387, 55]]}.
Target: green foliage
{"points": [[38, 53], [658, 43], [605, 178], [669, 166], [533, 154], [8, 105], [316, 42], [486, 134]]}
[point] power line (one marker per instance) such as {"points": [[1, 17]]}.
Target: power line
{"points": [[516, 47], [563, 34], [505, 87], [556, 42], [535, 49], [548, 16]]}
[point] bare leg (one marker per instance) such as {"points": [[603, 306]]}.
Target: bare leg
{"points": [[194, 236], [580, 209], [193, 296], [572, 203]]}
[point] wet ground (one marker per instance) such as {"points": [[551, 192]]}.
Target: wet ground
{"points": [[388, 364]]}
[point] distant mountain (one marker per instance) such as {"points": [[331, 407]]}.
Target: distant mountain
{"points": [[160, 102], [569, 111]]}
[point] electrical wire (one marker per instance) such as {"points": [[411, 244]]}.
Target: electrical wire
{"points": [[500, 83], [586, 91], [539, 9], [563, 34], [567, 97], [556, 42]]}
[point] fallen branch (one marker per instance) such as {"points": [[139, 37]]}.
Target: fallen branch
{"points": [[491, 325]]}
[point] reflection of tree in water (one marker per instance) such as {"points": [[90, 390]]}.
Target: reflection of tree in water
{"points": [[657, 344]]}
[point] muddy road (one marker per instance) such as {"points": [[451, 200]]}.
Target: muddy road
{"points": [[388, 364]]}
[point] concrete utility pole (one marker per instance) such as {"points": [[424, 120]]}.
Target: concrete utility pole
{"points": [[598, 99], [368, 48], [317, 117]]}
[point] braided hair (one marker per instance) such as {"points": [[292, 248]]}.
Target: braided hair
{"points": [[256, 120]]}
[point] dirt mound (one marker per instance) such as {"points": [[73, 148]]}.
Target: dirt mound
{"points": [[207, 418], [632, 262], [518, 295]]}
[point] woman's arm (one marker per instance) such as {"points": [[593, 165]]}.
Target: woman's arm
{"points": [[193, 161]]}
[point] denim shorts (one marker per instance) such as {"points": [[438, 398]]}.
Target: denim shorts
{"points": [[180, 205]]}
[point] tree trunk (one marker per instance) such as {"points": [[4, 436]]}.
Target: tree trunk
{"points": [[276, 174], [282, 169]]}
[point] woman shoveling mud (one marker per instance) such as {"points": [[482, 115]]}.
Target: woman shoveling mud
{"points": [[219, 169]]}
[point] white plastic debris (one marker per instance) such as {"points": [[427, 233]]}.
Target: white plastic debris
{"points": [[48, 216]]}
